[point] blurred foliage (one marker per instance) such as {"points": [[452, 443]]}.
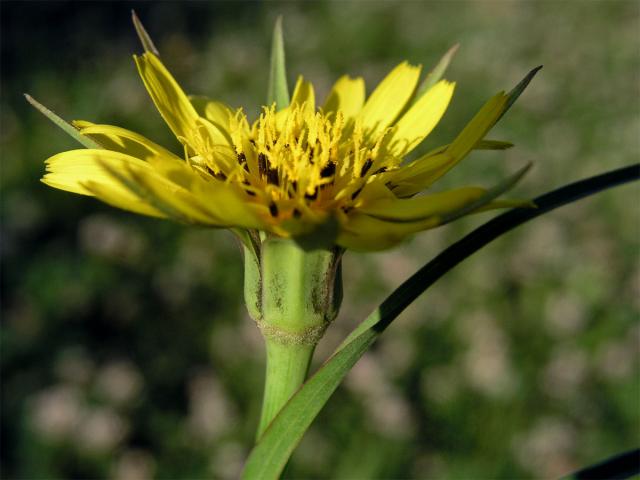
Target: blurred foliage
{"points": [[126, 351]]}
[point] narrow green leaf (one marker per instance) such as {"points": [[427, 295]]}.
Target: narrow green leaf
{"points": [[436, 74], [278, 91], [144, 37], [270, 455], [623, 465], [272, 452], [67, 127]]}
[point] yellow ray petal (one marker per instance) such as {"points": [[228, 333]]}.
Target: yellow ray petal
{"points": [[447, 206], [216, 112], [420, 208], [71, 170], [174, 188], [172, 103], [389, 98], [421, 173], [347, 95], [195, 201], [385, 221], [416, 173], [303, 93], [369, 233], [169, 188], [219, 114], [121, 198], [478, 127], [123, 140], [365, 233], [421, 118]]}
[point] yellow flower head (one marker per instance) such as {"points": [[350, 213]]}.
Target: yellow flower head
{"points": [[332, 171]]}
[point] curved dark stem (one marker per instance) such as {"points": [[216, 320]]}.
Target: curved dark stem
{"points": [[624, 465], [481, 236]]}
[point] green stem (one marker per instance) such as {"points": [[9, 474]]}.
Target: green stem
{"points": [[293, 294], [287, 367]]}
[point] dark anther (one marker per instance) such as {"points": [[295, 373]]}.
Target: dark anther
{"points": [[356, 193], [252, 142], [218, 176], [312, 196], [273, 209], [380, 170], [328, 170], [366, 167], [272, 176], [242, 160], [264, 167], [311, 157], [347, 209], [296, 213], [262, 163], [249, 192]]}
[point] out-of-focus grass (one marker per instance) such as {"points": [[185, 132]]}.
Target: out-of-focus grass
{"points": [[126, 351]]}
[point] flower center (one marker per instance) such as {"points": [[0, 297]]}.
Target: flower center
{"points": [[296, 160]]}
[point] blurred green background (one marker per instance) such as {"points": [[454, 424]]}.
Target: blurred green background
{"points": [[127, 352]]}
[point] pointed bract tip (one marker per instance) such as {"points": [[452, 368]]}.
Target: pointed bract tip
{"points": [[527, 167], [277, 90], [277, 26], [33, 101], [436, 74], [144, 37], [519, 88], [528, 77]]}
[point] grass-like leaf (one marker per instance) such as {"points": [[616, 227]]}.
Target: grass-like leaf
{"points": [[270, 455], [67, 127], [278, 91], [624, 465]]}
